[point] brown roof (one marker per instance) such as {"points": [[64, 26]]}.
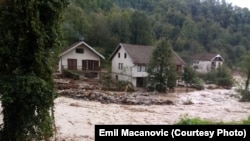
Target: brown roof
{"points": [[141, 54], [204, 56]]}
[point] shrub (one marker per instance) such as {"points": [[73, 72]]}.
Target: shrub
{"points": [[246, 121], [221, 76], [122, 85], [115, 85], [245, 95], [185, 120], [71, 74], [198, 83]]}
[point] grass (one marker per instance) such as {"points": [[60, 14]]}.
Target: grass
{"points": [[185, 120]]}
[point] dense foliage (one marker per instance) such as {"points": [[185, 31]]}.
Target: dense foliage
{"points": [[186, 120], [192, 26], [160, 68], [245, 67], [222, 76], [29, 33]]}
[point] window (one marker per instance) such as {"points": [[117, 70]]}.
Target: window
{"points": [[195, 62], [72, 64], [118, 55], [196, 67], [125, 55], [120, 66], [141, 68], [79, 50], [214, 64]]}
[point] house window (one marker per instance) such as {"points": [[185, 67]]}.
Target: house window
{"points": [[196, 67], [72, 64], [116, 77], [213, 64], [120, 66], [195, 62], [79, 50], [90, 65], [119, 55], [125, 55], [141, 68]]}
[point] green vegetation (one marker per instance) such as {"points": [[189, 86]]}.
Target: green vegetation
{"points": [[159, 68], [185, 120], [115, 85], [29, 33], [71, 74], [245, 67], [221, 76], [191, 26]]}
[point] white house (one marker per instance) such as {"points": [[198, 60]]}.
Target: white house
{"points": [[129, 63], [80, 57], [204, 63]]}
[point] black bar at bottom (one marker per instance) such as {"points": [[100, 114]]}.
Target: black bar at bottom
{"points": [[172, 132]]}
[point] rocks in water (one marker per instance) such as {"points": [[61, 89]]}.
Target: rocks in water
{"points": [[115, 97], [78, 89]]}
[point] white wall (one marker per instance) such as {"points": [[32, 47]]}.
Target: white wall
{"points": [[129, 71], [203, 66], [125, 73], [127, 62], [87, 55]]}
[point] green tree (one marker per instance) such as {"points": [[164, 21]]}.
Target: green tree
{"points": [[29, 32], [76, 24], [188, 76], [224, 77], [245, 67], [172, 78], [141, 29], [159, 67]]}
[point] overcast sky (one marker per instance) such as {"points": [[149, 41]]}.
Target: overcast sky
{"points": [[240, 3]]}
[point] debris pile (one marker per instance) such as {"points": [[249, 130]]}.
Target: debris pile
{"points": [[83, 90]]}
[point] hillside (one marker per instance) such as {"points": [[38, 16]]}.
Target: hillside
{"points": [[191, 26]]}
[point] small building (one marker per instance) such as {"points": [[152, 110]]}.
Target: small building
{"points": [[129, 63], [82, 58], [205, 62]]}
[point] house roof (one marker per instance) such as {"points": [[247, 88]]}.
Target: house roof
{"points": [[77, 44], [141, 54], [206, 56]]}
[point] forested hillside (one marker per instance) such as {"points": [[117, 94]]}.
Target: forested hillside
{"points": [[192, 26]]}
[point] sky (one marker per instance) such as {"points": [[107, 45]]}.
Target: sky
{"points": [[240, 3]]}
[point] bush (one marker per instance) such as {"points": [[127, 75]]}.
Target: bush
{"points": [[193, 121], [122, 85], [71, 74], [115, 85], [198, 83], [159, 87], [246, 121], [221, 76], [185, 120], [226, 82], [245, 95]]}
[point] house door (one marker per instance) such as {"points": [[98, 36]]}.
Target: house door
{"points": [[96, 65], [139, 82], [84, 65], [72, 64]]}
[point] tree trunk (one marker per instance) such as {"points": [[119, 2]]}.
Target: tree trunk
{"points": [[247, 81], [186, 87]]}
